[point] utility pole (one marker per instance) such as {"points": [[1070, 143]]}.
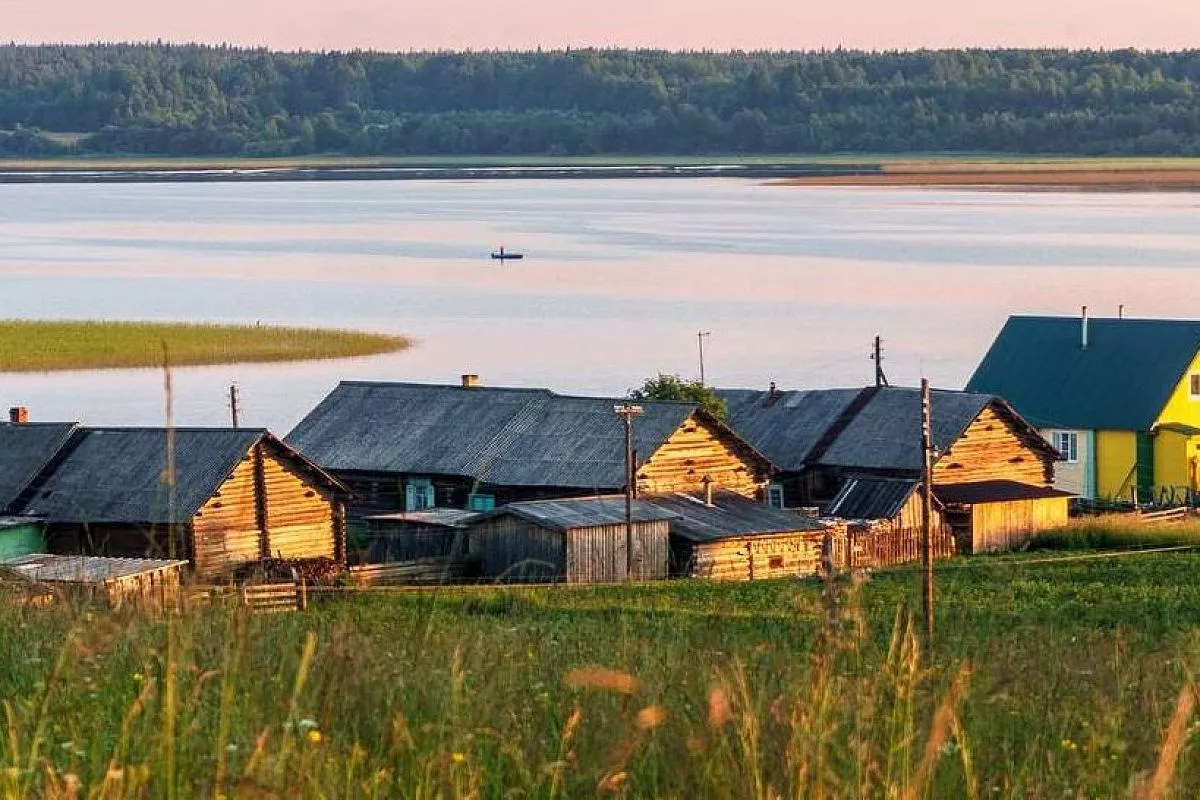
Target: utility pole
{"points": [[627, 412], [877, 357], [233, 404], [927, 511], [700, 335]]}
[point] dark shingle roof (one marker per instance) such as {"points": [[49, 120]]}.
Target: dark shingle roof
{"points": [[501, 436], [588, 512], [786, 426], [994, 492], [25, 450], [117, 474], [871, 498], [730, 517], [886, 432], [1121, 381]]}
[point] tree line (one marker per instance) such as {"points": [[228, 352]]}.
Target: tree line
{"points": [[199, 100]]}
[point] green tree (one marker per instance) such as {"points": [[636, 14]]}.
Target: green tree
{"points": [[675, 388]]}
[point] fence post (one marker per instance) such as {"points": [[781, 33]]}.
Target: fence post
{"points": [[302, 595]]}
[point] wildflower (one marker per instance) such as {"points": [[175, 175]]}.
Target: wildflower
{"points": [[1069, 745], [231, 748], [307, 725], [458, 758], [600, 678], [651, 717], [718, 707], [314, 736], [138, 677]]}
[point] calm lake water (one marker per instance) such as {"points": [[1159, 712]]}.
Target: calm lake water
{"points": [[793, 283]]}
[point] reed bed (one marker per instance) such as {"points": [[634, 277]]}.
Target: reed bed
{"points": [[1046, 680], [40, 346]]}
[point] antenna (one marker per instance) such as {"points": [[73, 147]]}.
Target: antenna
{"points": [[700, 336], [234, 411], [877, 357]]}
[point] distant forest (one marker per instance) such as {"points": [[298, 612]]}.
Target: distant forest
{"points": [[199, 101]]}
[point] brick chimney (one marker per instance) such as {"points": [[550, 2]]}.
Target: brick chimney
{"points": [[18, 415], [471, 382]]}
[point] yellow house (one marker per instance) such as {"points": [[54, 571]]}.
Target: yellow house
{"points": [[1119, 398]]}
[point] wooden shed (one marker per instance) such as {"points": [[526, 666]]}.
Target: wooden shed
{"points": [[236, 496], [573, 541], [732, 538], [999, 516], [20, 536], [413, 535], [120, 582]]}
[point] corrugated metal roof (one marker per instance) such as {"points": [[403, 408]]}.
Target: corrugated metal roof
{"points": [[501, 436], [871, 498], [84, 569], [785, 425], [118, 474], [994, 492], [587, 512], [1121, 381], [25, 450], [16, 522], [440, 517], [730, 517], [886, 432]]}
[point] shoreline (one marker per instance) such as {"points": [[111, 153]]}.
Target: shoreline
{"points": [[1016, 178]]}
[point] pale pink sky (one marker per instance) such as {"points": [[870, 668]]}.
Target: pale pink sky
{"points": [[674, 24]]}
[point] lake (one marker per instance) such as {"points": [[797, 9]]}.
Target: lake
{"points": [[793, 283]]}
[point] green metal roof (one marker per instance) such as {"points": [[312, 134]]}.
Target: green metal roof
{"points": [[1120, 381]]}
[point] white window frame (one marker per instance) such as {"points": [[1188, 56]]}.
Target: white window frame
{"points": [[1067, 444], [775, 492]]}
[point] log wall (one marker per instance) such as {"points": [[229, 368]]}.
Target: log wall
{"points": [[691, 454], [300, 515], [227, 530], [991, 449], [787, 555]]}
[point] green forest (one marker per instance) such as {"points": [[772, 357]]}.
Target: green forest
{"points": [[221, 101]]}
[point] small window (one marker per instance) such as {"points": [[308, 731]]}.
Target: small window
{"points": [[482, 502], [418, 494], [1067, 443], [775, 562], [775, 496], [1195, 386]]}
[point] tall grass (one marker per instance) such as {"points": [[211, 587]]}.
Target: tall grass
{"points": [[1047, 680], [1099, 533], [27, 345]]}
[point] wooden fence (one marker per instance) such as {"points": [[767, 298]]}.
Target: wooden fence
{"points": [[398, 573], [882, 547]]}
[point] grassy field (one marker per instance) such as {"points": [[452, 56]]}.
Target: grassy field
{"points": [[1047, 680], [40, 346]]}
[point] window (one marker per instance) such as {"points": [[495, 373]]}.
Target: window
{"points": [[775, 496], [1195, 386], [1067, 443], [418, 494], [482, 502]]}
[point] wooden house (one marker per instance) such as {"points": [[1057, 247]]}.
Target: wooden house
{"points": [[412, 447], [1118, 398], [858, 456], [119, 582], [728, 537], [573, 541], [235, 496], [414, 535]]}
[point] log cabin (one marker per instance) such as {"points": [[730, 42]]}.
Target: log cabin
{"points": [[827, 443], [581, 540], [237, 496], [412, 447]]}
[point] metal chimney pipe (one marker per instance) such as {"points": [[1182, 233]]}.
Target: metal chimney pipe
{"points": [[1084, 329]]}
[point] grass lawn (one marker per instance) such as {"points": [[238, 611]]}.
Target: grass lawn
{"points": [[1047, 680], [39, 346]]}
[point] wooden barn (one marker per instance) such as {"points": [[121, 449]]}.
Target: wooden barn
{"points": [[413, 535], [573, 541], [236, 496], [858, 456], [119, 582], [412, 447], [727, 537]]}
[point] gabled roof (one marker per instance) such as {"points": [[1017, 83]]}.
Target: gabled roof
{"points": [[500, 436], [871, 498], [587, 512], [994, 492], [731, 516], [118, 475], [25, 450], [1121, 381], [786, 426]]}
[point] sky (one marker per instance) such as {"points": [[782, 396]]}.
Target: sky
{"points": [[670, 24]]}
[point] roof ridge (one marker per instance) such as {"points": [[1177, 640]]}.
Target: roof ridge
{"points": [[840, 423]]}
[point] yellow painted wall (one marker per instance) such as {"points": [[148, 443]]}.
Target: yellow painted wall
{"points": [[1171, 459], [1116, 453], [1182, 407]]}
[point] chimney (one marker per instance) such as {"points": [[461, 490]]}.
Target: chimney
{"points": [[1121, 311], [18, 415], [1083, 332], [772, 397], [471, 382]]}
